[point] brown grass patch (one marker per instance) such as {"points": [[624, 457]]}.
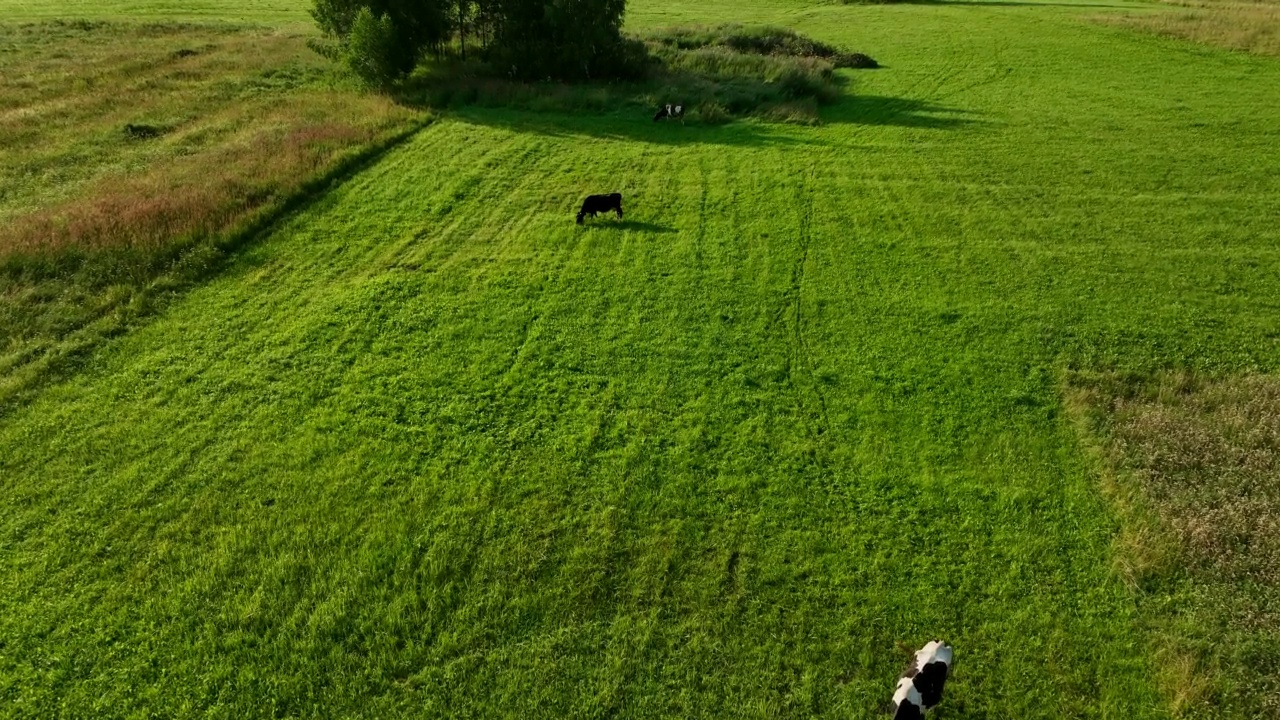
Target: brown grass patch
{"points": [[195, 196], [99, 224], [1249, 26], [1196, 465]]}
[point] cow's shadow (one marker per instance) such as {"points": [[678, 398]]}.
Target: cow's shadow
{"points": [[634, 226]]}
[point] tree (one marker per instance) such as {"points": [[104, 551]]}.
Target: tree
{"points": [[371, 49], [384, 40], [562, 39], [463, 16], [391, 36]]}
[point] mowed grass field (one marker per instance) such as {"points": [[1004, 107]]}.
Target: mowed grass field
{"points": [[430, 449]]}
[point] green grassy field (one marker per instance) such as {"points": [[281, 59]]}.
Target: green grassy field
{"points": [[268, 12], [432, 450]]}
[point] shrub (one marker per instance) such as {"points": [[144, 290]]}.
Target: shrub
{"points": [[764, 40], [712, 113], [372, 51], [718, 73], [743, 83], [384, 40], [797, 83]]}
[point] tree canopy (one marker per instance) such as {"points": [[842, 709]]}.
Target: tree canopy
{"points": [[384, 40]]}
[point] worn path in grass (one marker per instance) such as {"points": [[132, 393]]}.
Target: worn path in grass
{"points": [[432, 449]]}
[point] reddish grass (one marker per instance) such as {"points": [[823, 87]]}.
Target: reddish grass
{"points": [[191, 197]]}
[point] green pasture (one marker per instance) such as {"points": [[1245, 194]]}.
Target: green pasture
{"points": [[276, 12], [432, 450]]}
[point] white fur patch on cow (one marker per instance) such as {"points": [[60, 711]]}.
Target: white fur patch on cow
{"points": [[907, 704], [928, 671]]}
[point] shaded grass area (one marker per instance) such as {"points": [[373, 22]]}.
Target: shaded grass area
{"points": [[139, 154], [1197, 464], [1249, 26], [718, 73]]}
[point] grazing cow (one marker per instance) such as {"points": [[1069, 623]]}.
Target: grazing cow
{"points": [[673, 112], [595, 204], [928, 671], [920, 687]]}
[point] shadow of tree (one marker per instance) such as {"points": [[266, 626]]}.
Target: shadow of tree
{"points": [[731, 98], [634, 123], [898, 112]]}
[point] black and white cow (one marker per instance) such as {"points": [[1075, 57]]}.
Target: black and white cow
{"points": [[907, 703], [920, 687], [596, 204], [673, 112]]}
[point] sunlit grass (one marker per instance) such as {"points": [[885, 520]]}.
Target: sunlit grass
{"points": [[429, 448]]}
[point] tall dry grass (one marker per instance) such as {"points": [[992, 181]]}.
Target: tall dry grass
{"points": [[1249, 26], [186, 198], [1197, 465], [99, 225]]}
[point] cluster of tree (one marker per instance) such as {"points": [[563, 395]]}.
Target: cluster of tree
{"points": [[384, 40]]}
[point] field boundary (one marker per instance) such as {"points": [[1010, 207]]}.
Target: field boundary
{"points": [[194, 266], [1183, 460]]}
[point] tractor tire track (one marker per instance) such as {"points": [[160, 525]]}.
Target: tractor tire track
{"points": [[789, 318], [701, 237], [801, 353]]}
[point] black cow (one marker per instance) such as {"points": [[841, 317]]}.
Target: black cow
{"points": [[596, 204], [673, 112]]}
